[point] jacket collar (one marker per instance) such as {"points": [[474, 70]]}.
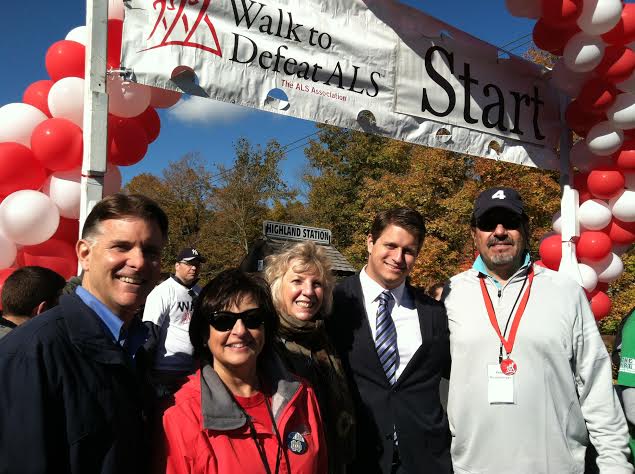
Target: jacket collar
{"points": [[221, 412], [88, 333]]}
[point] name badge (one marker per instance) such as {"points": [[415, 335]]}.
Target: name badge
{"points": [[500, 387], [296, 443]]}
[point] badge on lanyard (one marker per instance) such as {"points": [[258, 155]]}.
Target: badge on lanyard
{"points": [[507, 366], [296, 443]]}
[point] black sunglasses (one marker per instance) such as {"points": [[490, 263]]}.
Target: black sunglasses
{"points": [[225, 320], [489, 222]]}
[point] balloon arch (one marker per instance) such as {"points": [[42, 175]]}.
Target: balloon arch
{"points": [[41, 144]]}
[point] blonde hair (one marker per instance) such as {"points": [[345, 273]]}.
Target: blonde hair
{"points": [[310, 258]]}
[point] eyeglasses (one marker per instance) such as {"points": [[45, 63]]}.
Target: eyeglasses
{"points": [[225, 320], [489, 222]]}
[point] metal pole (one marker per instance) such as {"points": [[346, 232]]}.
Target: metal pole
{"points": [[569, 203], [95, 108]]}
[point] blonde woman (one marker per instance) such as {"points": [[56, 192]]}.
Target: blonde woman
{"points": [[302, 285]]}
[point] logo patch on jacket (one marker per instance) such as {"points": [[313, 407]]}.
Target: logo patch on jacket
{"points": [[296, 443]]}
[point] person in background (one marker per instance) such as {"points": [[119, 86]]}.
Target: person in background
{"points": [[26, 293], [167, 314], [73, 396], [394, 344], [625, 346], [242, 411], [531, 381], [436, 291], [302, 282]]}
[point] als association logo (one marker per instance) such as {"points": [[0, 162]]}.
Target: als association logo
{"points": [[174, 25]]}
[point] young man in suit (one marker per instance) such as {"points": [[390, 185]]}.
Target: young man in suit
{"points": [[394, 344]]}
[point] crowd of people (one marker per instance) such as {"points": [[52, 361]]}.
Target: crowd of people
{"points": [[289, 371]]}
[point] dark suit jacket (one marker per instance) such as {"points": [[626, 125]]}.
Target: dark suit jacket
{"points": [[71, 401], [412, 405]]}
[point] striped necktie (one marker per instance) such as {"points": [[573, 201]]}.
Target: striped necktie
{"points": [[386, 338]]}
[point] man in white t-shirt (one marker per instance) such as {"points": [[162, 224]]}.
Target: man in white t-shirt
{"points": [[167, 315]]}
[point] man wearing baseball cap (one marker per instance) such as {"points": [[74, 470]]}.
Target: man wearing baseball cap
{"points": [[167, 314], [531, 384]]}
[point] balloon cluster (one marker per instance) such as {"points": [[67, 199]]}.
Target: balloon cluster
{"points": [[41, 148], [597, 69]]}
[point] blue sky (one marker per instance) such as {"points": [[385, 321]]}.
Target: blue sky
{"points": [[29, 28]]}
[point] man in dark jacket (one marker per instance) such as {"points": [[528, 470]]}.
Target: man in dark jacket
{"points": [[72, 399], [394, 344]]}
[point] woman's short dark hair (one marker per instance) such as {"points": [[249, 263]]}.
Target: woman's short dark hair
{"points": [[404, 217], [227, 289]]}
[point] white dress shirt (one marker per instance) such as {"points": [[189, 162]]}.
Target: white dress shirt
{"points": [[404, 314]]}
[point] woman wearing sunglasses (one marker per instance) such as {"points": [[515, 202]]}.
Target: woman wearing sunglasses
{"points": [[242, 411], [302, 284]]}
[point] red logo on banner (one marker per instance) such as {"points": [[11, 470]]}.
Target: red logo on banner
{"points": [[180, 29]]}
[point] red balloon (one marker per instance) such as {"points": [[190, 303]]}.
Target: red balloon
{"points": [[57, 255], [600, 305], [552, 39], [163, 98], [579, 183], [150, 122], [115, 32], [19, 169], [551, 251], [581, 120], [617, 64], [625, 158], [596, 95], [37, 95], [593, 245], [605, 182], [560, 13], [67, 231], [127, 140], [601, 286], [65, 59], [624, 31], [58, 144], [622, 233]]}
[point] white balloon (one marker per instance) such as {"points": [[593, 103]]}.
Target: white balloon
{"points": [[589, 277], [524, 8], [582, 158], [556, 223], [583, 52], [28, 217], [623, 206], [629, 180], [604, 139], [8, 251], [64, 188], [599, 16], [115, 9], [622, 111], [17, 122], [112, 180], [608, 269], [78, 34], [66, 100], [594, 214], [566, 80], [127, 99]]}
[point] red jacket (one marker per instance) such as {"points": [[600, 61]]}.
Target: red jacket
{"points": [[207, 433]]}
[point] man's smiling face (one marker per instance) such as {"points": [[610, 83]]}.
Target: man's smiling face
{"points": [[499, 239]]}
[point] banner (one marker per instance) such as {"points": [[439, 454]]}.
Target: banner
{"points": [[376, 66]]}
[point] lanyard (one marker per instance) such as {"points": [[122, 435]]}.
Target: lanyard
{"points": [[508, 343], [261, 449]]}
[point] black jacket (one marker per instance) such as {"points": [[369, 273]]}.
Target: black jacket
{"points": [[412, 406], [71, 400]]}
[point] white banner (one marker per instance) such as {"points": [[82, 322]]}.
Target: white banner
{"points": [[375, 66]]}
